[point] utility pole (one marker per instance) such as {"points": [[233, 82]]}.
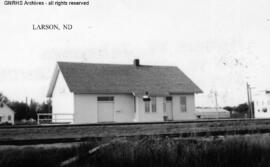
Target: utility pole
{"points": [[251, 104], [26, 104], [250, 109], [216, 100]]}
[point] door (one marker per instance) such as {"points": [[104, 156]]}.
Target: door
{"points": [[105, 111], [168, 108]]}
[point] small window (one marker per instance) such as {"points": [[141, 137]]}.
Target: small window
{"points": [[154, 104], [105, 98], [9, 117], [264, 109], [147, 106], [169, 98], [183, 104]]}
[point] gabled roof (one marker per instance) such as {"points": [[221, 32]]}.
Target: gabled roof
{"points": [[3, 105], [85, 78]]}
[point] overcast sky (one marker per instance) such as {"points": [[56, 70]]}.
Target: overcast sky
{"points": [[220, 45]]}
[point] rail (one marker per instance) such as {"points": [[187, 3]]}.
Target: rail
{"points": [[55, 118], [59, 133], [251, 120]]}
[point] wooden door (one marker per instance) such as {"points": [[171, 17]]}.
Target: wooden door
{"points": [[168, 108], [105, 111]]}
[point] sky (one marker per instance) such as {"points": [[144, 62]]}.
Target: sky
{"points": [[220, 45]]}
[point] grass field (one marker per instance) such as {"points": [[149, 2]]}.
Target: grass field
{"points": [[234, 151]]}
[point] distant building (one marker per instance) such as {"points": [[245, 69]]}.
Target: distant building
{"points": [[6, 114], [262, 104], [122, 93], [212, 113]]}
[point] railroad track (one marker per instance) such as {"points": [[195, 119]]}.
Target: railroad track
{"points": [[22, 135], [138, 123]]}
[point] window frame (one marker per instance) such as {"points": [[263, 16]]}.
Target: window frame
{"points": [[153, 105], [147, 106], [183, 107], [168, 98], [105, 98]]}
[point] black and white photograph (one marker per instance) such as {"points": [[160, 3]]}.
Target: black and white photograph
{"points": [[134, 83]]}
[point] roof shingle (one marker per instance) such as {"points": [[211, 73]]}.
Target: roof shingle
{"points": [[83, 78]]}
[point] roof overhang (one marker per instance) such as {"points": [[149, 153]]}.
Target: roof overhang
{"points": [[5, 105], [67, 70], [53, 81]]}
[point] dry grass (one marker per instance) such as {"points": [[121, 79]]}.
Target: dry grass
{"points": [[233, 151], [40, 155]]}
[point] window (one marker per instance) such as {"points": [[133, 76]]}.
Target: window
{"points": [[9, 117], [147, 106], [183, 104], [264, 109], [168, 98], [105, 98], [150, 104], [154, 104]]}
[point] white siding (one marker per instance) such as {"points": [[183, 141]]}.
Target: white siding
{"points": [[142, 116], [124, 107], [261, 102], [5, 111], [62, 100], [180, 115], [86, 108]]}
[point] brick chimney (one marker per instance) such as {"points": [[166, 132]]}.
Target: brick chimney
{"points": [[136, 62]]}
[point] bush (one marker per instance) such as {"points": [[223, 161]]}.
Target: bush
{"points": [[5, 124]]}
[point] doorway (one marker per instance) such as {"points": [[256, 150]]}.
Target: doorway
{"points": [[168, 108], [105, 109]]}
